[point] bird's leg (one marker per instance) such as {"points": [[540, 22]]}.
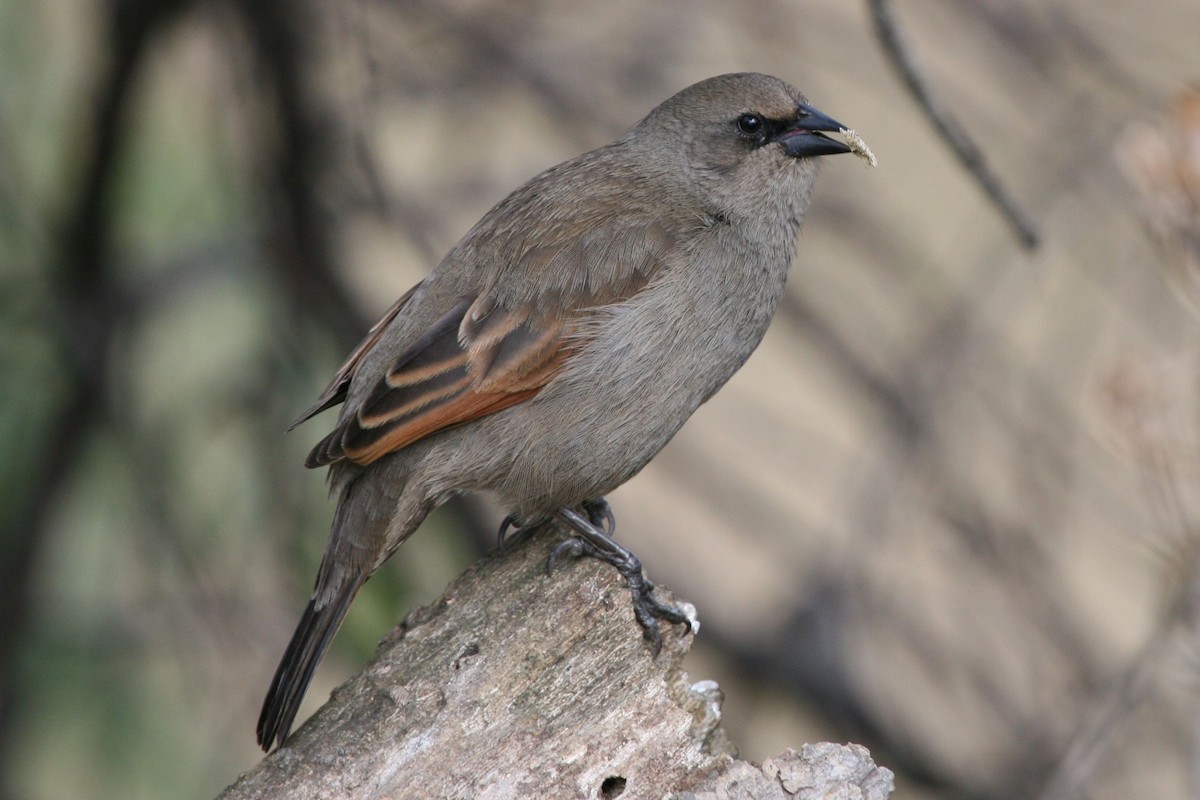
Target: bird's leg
{"points": [[599, 512], [591, 541]]}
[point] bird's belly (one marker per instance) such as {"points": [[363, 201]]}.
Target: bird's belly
{"points": [[620, 403], [598, 445]]}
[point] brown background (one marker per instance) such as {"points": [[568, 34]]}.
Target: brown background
{"points": [[948, 509]]}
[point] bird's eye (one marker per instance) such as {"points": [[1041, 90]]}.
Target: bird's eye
{"points": [[749, 124]]}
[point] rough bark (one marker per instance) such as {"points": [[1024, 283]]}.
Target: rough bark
{"points": [[519, 685]]}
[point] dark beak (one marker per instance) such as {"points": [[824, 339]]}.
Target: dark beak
{"points": [[803, 139]]}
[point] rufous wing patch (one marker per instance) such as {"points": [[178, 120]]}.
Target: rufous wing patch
{"points": [[477, 359], [335, 392]]}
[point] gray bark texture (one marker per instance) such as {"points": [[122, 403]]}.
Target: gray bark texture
{"points": [[516, 684]]}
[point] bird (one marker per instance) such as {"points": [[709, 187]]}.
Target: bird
{"points": [[563, 341]]}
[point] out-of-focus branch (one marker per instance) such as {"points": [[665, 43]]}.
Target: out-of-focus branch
{"points": [[88, 315], [952, 133], [489, 43], [1161, 170], [1098, 732], [303, 257]]}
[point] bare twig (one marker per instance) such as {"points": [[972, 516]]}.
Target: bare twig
{"points": [[952, 133]]}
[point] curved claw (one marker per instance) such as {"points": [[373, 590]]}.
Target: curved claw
{"points": [[601, 515], [648, 610], [506, 524], [651, 630], [673, 614]]}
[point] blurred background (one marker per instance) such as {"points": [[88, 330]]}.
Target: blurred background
{"points": [[948, 510]]}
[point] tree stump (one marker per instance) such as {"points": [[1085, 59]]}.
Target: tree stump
{"points": [[516, 684]]}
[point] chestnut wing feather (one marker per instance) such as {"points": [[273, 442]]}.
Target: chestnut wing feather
{"points": [[457, 371], [336, 391]]}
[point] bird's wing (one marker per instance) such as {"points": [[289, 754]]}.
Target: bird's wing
{"points": [[488, 352], [459, 369], [337, 389]]}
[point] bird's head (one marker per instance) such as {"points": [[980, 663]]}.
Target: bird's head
{"points": [[740, 139]]}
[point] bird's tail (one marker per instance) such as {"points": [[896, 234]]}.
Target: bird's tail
{"points": [[320, 622], [371, 521]]}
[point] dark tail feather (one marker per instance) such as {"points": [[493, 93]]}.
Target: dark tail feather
{"points": [[309, 643]]}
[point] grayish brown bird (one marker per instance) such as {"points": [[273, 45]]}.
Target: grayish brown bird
{"points": [[567, 337]]}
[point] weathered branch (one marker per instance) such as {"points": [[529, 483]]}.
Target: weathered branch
{"points": [[519, 685]]}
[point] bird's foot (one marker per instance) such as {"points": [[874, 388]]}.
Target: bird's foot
{"points": [[600, 514], [593, 538]]}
